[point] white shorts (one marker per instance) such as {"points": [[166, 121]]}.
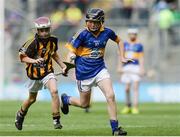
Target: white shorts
{"points": [[131, 74], [36, 85], [86, 85]]}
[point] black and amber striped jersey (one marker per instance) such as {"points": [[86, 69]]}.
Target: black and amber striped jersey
{"points": [[39, 48]]}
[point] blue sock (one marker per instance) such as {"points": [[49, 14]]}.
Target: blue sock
{"points": [[66, 99], [114, 125]]}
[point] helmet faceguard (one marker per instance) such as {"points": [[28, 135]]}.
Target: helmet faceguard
{"points": [[95, 15], [43, 24]]}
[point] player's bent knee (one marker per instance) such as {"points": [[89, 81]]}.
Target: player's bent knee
{"points": [[54, 93], [110, 98]]}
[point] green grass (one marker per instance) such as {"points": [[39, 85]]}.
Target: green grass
{"points": [[154, 120]]}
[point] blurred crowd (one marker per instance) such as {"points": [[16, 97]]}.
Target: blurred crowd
{"points": [[65, 14], [66, 17]]}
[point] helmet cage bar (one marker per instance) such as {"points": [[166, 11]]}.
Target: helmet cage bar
{"points": [[41, 26], [44, 29]]}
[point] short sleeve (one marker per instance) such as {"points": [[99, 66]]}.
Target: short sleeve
{"points": [[76, 40], [141, 48], [112, 35], [28, 49]]}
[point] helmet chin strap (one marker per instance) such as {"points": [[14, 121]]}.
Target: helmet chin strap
{"points": [[93, 30], [43, 37], [96, 30]]}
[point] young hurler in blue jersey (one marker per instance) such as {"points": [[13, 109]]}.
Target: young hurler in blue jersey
{"points": [[87, 48]]}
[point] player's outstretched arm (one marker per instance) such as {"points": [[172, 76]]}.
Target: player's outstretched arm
{"points": [[119, 64], [121, 51], [58, 60]]}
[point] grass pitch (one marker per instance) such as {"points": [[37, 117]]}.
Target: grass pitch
{"points": [[154, 120]]}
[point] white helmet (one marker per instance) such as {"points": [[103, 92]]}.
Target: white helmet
{"points": [[42, 22], [132, 31]]}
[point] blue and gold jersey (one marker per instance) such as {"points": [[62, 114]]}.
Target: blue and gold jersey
{"points": [[89, 50], [133, 51]]}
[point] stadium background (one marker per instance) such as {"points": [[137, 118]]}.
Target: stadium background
{"points": [[159, 30], [159, 94]]}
